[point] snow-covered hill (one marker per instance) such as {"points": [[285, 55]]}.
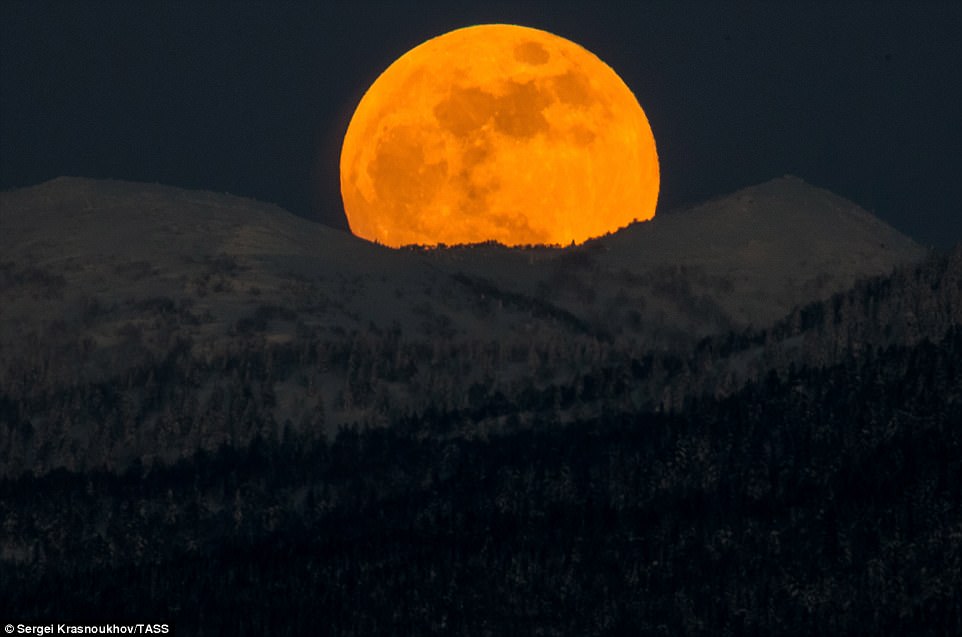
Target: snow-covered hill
{"points": [[747, 258]]}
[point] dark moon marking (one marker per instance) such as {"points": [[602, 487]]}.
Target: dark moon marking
{"points": [[465, 110], [531, 53], [573, 89], [519, 111]]}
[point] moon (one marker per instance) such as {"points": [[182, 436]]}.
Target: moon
{"points": [[497, 133]]}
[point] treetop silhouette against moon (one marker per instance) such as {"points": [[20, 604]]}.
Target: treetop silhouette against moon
{"points": [[497, 132]]}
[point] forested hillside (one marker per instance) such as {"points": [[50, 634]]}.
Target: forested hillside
{"points": [[798, 480], [68, 404], [822, 501]]}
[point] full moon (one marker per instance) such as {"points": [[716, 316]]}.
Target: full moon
{"points": [[497, 133]]}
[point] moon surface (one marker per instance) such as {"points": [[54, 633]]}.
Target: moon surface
{"points": [[497, 133]]}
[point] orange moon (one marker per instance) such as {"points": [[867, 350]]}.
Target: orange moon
{"points": [[497, 132]]}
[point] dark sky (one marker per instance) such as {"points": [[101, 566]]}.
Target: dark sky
{"points": [[253, 98]]}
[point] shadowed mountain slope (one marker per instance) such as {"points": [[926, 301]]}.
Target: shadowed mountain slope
{"points": [[780, 243]]}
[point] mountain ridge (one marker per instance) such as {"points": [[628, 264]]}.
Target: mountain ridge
{"points": [[227, 255], [147, 281]]}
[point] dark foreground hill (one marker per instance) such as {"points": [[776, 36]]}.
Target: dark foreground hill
{"points": [[822, 501]]}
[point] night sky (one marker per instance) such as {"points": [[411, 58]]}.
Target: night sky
{"points": [[254, 98]]}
